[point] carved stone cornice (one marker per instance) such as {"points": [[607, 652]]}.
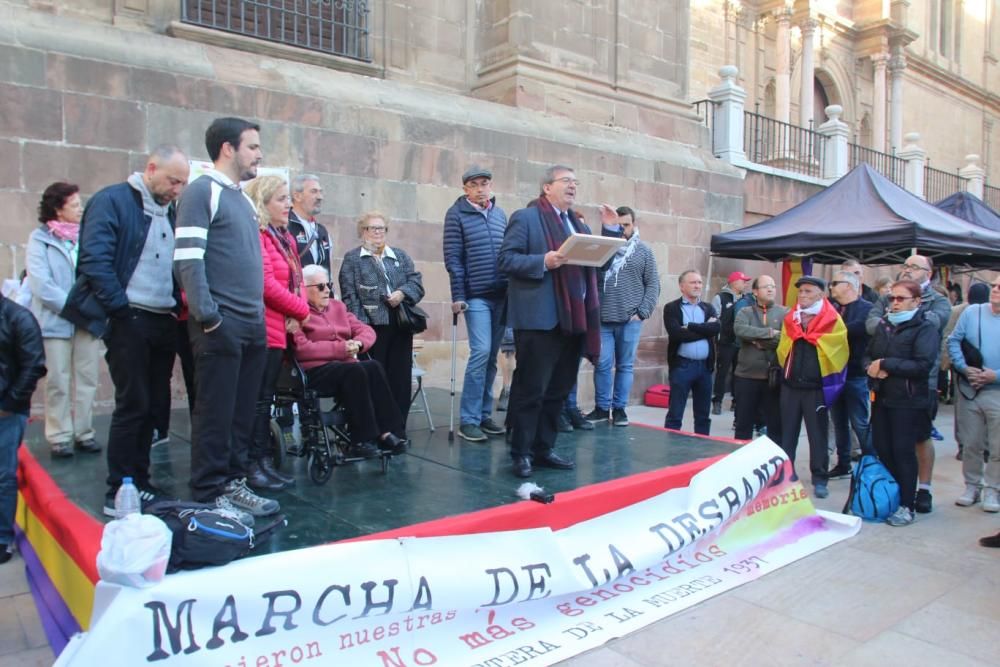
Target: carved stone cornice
{"points": [[945, 79]]}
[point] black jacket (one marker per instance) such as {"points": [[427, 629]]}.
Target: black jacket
{"points": [[855, 314], [112, 235], [22, 357], [305, 243], [673, 321], [908, 353]]}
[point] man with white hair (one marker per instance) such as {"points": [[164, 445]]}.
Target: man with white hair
{"points": [[854, 266], [852, 406], [311, 237]]}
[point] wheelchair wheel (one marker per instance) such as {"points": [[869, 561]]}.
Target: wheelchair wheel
{"points": [[277, 445], [320, 465]]}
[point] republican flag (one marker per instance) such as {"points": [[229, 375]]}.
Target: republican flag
{"points": [[791, 271], [829, 335]]}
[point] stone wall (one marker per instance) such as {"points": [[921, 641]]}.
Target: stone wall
{"points": [[88, 106]]}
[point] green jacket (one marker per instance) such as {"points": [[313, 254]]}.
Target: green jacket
{"points": [[757, 346]]}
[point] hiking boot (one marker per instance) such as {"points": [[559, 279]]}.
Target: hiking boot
{"points": [[88, 446], [504, 400], [924, 502], [564, 425], [716, 407], [970, 497], [597, 415], [618, 417], [243, 498], [991, 500], [840, 471], [224, 507], [901, 517], [821, 491], [490, 427], [577, 420], [472, 433]]}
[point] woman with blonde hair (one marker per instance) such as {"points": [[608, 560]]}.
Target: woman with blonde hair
{"points": [[284, 309], [375, 280]]}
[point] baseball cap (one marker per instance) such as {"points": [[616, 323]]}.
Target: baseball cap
{"points": [[737, 275]]}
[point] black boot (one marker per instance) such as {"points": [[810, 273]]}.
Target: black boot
{"points": [[259, 480], [267, 465]]}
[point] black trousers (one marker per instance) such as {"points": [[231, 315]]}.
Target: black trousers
{"points": [[895, 432], [228, 364], [140, 356], [798, 405], [725, 365], [393, 349], [161, 402], [261, 445], [547, 364], [363, 389], [755, 399]]}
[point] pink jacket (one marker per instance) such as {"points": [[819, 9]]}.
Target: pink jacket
{"points": [[279, 302], [324, 337]]}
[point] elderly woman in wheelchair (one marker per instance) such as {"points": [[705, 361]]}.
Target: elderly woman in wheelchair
{"points": [[327, 346]]}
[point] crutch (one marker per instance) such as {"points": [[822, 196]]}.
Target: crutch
{"points": [[454, 340]]}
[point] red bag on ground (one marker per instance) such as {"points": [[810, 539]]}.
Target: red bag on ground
{"points": [[657, 396]]}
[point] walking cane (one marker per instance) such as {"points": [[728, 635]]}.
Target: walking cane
{"points": [[451, 415]]}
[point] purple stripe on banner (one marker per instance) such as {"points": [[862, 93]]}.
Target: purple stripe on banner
{"points": [[833, 384], [58, 622]]}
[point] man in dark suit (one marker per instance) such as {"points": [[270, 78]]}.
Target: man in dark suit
{"points": [[692, 326], [554, 311], [311, 237]]}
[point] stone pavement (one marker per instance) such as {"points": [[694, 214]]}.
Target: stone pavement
{"points": [[927, 594]]}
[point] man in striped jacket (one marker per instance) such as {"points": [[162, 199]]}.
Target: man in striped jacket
{"points": [[217, 259]]}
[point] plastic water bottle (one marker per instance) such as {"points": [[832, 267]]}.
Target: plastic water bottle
{"points": [[127, 499]]}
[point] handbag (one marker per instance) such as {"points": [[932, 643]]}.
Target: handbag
{"points": [[411, 318], [974, 359]]}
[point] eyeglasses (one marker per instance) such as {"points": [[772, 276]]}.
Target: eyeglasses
{"points": [[322, 287], [892, 298], [566, 180], [373, 228], [915, 267]]}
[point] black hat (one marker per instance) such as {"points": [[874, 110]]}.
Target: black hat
{"points": [[475, 171], [811, 280]]}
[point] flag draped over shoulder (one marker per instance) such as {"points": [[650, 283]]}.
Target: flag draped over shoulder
{"points": [[829, 334], [791, 271]]}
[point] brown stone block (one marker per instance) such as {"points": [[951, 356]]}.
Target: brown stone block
{"points": [[398, 161], [282, 144], [606, 188], [228, 99], [671, 174], [504, 170], [554, 152], [656, 228], [687, 203], [100, 121], [30, 113], [434, 201], [87, 76], [336, 153], [271, 105], [626, 115], [579, 106], [491, 142], [183, 127], [695, 178], [639, 169], [656, 123], [20, 218], [427, 131], [680, 258], [726, 185], [23, 66], [173, 90], [437, 284], [10, 165], [692, 233], [652, 197], [90, 168], [420, 240], [604, 163]]}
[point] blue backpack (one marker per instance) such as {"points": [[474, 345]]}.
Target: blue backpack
{"points": [[874, 493]]}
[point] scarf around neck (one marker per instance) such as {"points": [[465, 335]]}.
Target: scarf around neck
{"points": [[621, 258], [64, 231], [828, 334]]}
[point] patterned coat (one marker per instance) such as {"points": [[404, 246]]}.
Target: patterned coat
{"points": [[364, 284]]}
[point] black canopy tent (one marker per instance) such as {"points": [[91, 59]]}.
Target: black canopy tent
{"points": [[972, 209], [867, 217]]}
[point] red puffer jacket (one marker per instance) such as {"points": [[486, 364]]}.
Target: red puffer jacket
{"points": [[323, 338], [279, 302]]}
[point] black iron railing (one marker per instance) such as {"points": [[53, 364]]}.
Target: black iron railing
{"points": [[781, 145], [939, 184], [991, 195], [890, 166], [338, 27]]}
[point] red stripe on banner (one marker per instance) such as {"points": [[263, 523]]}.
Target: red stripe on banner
{"points": [[569, 508], [78, 533]]}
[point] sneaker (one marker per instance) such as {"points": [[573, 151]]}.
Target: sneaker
{"points": [[970, 497], [924, 502], [902, 516], [147, 496], [840, 471], [618, 417], [993, 541], [991, 501], [577, 420], [244, 499], [597, 415], [88, 446], [564, 425], [160, 438], [490, 427], [820, 491], [504, 400], [936, 434], [472, 433], [224, 507], [716, 407]]}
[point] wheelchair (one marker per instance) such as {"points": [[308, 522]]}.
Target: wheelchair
{"points": [[324, 434]]}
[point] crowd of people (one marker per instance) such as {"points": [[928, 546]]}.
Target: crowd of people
{"points": [[235, 278]]}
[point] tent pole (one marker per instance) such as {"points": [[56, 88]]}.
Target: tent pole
{"points": [[708, 278]]}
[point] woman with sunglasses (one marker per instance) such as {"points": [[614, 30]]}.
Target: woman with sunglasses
{"points": [[284, 310], [902, 351], [374, 280]]}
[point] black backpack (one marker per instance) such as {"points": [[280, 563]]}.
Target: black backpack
{"points": [[204, 536], [727, 319]]}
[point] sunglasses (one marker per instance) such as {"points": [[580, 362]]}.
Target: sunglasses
{"points": [[322, 287], [898, 299]]}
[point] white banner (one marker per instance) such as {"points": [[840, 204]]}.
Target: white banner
{"points": [[498, 599]]}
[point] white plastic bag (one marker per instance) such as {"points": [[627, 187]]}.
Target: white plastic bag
{"points": [[134, 551]]}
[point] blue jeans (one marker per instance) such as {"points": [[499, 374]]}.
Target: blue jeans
{"points": [[618, 345], [11, 432], [484, 322], [694, 377], [851, 406]]}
